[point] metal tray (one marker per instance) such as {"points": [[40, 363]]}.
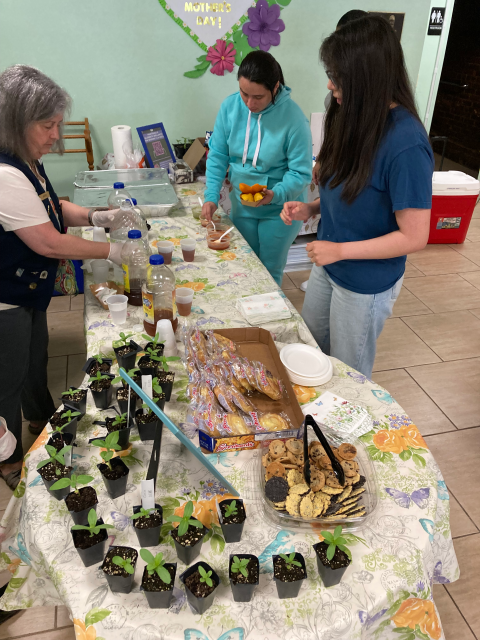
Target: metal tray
{"points": [[284, 520], [129, 177]]}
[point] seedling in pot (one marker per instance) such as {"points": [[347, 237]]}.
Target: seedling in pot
{"points": [[335, 541], [126, 564], [153, 354], [240, 566], [120, 420], [74, 482], [111, 445], [132, 373], [145, 406], [98, 358], [154, 340], [155, 564], [122, 340], [98, 377], [290, 561], [70, 393], [231, 510], [143, 513], [70, 415], [156, 387], [185, 520], [93, 528], [165, 360], [55, 456], [205, 576]]}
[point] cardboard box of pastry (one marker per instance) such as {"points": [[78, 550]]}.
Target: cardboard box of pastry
{"points": [[255, 343]]}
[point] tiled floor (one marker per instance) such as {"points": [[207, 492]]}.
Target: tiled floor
{"points": [[428, 358]]}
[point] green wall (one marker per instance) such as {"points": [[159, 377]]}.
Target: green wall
{"points": [[122, 62]]}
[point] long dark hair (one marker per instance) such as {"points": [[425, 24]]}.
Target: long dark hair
{"points": [[262, 68], [365, 59]]}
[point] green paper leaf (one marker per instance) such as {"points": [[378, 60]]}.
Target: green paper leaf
{"points": [[197, 73], [405, 455], [241, 46], [96, 615], [5, 558], [284, 3]]}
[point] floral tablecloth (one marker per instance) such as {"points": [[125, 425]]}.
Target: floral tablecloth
{"points": [[398, 554]]}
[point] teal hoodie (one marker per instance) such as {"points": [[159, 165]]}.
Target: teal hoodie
{"points": [[273, 147]]}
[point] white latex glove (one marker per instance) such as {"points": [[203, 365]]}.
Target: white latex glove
{"points": [[115, 252], [106, 218]]}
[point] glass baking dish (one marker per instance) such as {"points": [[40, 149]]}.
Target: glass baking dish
{"points": [[284, 520]]}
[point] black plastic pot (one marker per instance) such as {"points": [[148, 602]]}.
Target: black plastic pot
{"points": [[128, 361], [290, 589], [148, 537], [243, 592], [95, 554], [330, 577], [81, 517], [200, 605], [65, 438], [124, 437], [121, 584], [76, 406], [160, 346], [58, 494], [188, 554], [88, 365], [161, 599], [123, 405], [181, 149], [231, 532], [147, 371], [167, 387], [103, 398], [146, 430], [115, 488]]}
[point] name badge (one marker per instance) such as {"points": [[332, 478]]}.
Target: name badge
{"points": [[45, 195]]}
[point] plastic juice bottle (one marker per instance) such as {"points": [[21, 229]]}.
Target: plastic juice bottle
{"points": [[130, 219], [158, 294], [118, 195], [134, 265]]}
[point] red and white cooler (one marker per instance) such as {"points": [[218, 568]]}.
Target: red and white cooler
{"points": [[454, 197]]}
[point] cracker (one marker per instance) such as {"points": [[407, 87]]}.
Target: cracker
{"points": [[306, 508], [356, 478], [331, 490], [292, 504], [345, 493], [294, 477], [357, 492], [299, 489], [350, 501]]}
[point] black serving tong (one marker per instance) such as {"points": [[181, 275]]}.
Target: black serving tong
{"points": [[336, 466]]}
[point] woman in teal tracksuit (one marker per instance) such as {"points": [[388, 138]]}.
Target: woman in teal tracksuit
{"points": [[261, 136]]}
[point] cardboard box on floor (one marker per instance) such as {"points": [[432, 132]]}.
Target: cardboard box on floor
{"points": [[195, 153], [255, 343]]}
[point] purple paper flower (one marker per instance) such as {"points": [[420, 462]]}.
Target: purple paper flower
{"points": [[264, 27]]}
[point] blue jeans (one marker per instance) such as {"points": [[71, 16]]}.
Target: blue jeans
{"points": [[346, 325]]}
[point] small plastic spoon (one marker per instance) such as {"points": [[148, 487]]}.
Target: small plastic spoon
{"points": [[227, 231]]}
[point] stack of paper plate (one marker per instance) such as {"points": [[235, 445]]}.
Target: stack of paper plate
{"points": [[306, 365]]}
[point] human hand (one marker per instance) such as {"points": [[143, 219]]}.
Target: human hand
{"points": [[267, 196], [295, 211], [106, 218], [208, 210], [315, 172], [115, 252], [322, 252]]}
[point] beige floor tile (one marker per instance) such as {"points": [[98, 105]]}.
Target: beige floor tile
{"points": [[67, 633], [77, 302], [453, 623], [473, 277], [411, 397], [59, 303], [465, 591], [408, 305], [287, 283], [67, 333], [453, 336], [63, 619], [57, 377], [75, 375], [457, 454], [448, 292], [28, 438], [474, 230], [297, 277], [438, 259], [411, 271], [28, 621], [399, 347], [470, 250], [296, 297], [460, 522], [454, 387]]}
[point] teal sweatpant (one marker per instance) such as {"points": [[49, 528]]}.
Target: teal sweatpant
{"points": [[270, 238]]}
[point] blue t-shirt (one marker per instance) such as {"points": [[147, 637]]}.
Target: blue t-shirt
{"points": [[401, 179]]}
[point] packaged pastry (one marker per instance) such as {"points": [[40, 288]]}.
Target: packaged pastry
{"points": [[275, 421], [208, 417], [235, 424], [224, 397], [243, 403], [225, 343], [238, 368], [199, 346], [266, 382]]}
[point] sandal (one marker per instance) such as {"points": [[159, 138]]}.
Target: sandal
{"points": [[36, 429], [12, 479]]}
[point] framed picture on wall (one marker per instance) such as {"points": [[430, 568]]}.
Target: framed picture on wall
{"points": [[395, 19], [158, 152]]}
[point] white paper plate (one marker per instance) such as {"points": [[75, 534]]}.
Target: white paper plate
{"points": [[311, 382], [305, 361]]}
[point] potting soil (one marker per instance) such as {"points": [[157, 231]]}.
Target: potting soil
{"points": [[252, 570], [154, 520], [200, 589], [114, 569], [155, 583], [190, 538], [237, 518], [83, 539], [115, 473], [284, 574], [339, 560], [87, 497], [49, 471]]}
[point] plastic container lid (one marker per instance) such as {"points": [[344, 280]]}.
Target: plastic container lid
{"points": [[134, 234], [454, 183], [118, 185], [156, 259]]}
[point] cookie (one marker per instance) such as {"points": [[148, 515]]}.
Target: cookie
{"points": [[266, 460], [275, 469], [336, 454], [332, 509], [345, 493], [277, 449], [294, 477], [332, 490], [294, 446], [357, 492], [279, 506], [356, 466], [315, 450], [324, 462], [347, 451], [348, 481], [356, 478], [306, 508], [276, 489], [331, 479], [292, 504], [300, 460], [348, 468], [317, 480], [299, 489]]}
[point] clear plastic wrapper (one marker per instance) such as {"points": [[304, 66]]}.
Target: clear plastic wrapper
{"points": [[266, 382], [238, 368], [224, 397]]}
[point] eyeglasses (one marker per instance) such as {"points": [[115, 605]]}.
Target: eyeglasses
{"points": [[332, 79]]}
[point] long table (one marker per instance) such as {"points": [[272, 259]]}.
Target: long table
{"points": [[404, 548]]}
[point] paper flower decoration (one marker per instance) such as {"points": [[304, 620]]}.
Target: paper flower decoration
{"points": [[265, 26], [222, 57]]}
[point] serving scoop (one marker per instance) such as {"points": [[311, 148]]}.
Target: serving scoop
{"points": [[336, 466]]}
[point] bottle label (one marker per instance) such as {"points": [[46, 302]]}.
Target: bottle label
{"points": [[126, 278], [174, 304], [148, 310]]}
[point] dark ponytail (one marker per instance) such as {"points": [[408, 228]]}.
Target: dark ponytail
{"points": [[262, 68]]}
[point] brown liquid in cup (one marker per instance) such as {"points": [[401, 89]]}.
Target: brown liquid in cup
{"points": [[188, 256], [213, 243], [184, 308], [160, 314], [167, 257]]}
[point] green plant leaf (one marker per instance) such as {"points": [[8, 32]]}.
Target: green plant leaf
{"points": [[129, 568], [96, 615], [164, 575], [284, 3], [182, 527], [338, 531], [84, 479], [343, 548], [330, 551], [405, 455], [92, 517], [147, 556], [187, 513], [63, 483], [327, 536]]}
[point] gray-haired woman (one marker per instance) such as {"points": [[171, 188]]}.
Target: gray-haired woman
{"points": [[32, 240]]}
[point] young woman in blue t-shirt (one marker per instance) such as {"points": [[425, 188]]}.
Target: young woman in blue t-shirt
{"points": [[375, 179]]}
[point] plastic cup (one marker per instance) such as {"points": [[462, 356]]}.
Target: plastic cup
{"points": [[165, 249], [214, 242], [184, 299], [188, 249], [100, 271], [99, 234], [165, 333], [117, 306]]}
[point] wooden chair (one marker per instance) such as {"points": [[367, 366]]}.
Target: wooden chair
{"points": [[85, 135]]}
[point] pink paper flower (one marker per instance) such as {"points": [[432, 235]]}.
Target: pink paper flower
{"points": [[222, 57]]}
